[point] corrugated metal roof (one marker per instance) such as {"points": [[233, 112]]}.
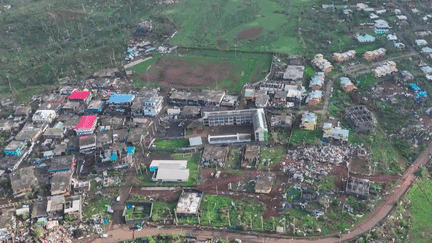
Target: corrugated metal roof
{"points": [[79, 95], [121, 98], [86, 122]]}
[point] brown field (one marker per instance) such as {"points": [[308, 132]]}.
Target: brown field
{"points": [[249, 33], [190, 73]]}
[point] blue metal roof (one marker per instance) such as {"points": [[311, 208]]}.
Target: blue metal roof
{"points": [[121, 98]]}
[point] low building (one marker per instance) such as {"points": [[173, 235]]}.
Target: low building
{"points": [[30, 133], [15, 148], [317, 81], [10, 163], [66, 90], [322, 64], [86, 125], [381, 27], [262, 101], [80, 187], [229, 101], [22, 111], [61, 163], [87, 144], [96, 107], [120, 101], [336, 133], [314, 97], [214, 155], [421, 42], [309, 121], [73, 207], [385, 69], [23, 181], [73, 107], [83, 96], [195, 141], [189, 203], [111, 123], [54, 99], [44, 116], [344, 56], [55, 207], [357, 187], [280, 98], [391, 37], [361, 117], [154, 165], [375, 55], [229, 138], [294, 73], [56, 132], [346, 85], [61, 183], [191, 111], [120, 136], [426, 50], [171, 172], [265, 183], [365, 38], [250, 156], [249, 94], [201, 98], [281, 121], [137, 212], [39, 210]]}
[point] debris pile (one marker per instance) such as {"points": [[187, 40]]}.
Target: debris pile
{"points": [[60, 234], [327, 154]]}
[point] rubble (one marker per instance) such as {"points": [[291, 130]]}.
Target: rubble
{"points": [[328, 154]]}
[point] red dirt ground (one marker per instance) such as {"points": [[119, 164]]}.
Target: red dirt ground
{"points": [[249, 33], [390, 87], [189, 73]]}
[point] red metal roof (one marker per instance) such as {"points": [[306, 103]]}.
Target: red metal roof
{"points": [[79, 95], [86, 122]]}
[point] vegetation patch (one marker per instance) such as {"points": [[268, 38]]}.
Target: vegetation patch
{"points": [[303, 137], [175, 143]]}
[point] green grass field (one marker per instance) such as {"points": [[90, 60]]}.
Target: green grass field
{"points": [[200, 68], [300, 137], [420, 195], [176, 143]]}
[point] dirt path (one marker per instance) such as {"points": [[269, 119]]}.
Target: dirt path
{"points": [[119, 206]]}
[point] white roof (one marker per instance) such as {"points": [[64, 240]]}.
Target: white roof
{"points": [[195, 141], [76, 206], [172, 174], [173, 163]]}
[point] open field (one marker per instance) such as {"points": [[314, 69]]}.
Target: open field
{"points": [[204, 69], [251, 25]]}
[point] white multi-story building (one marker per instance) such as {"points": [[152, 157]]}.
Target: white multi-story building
{"points": [[152, 105]]}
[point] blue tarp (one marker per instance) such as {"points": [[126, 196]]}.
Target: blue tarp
{"points": [[113, 157], [414, 87], [130, 150]]}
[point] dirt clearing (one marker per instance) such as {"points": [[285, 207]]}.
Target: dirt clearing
{"points": [[249, 33], [189, 72]]}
